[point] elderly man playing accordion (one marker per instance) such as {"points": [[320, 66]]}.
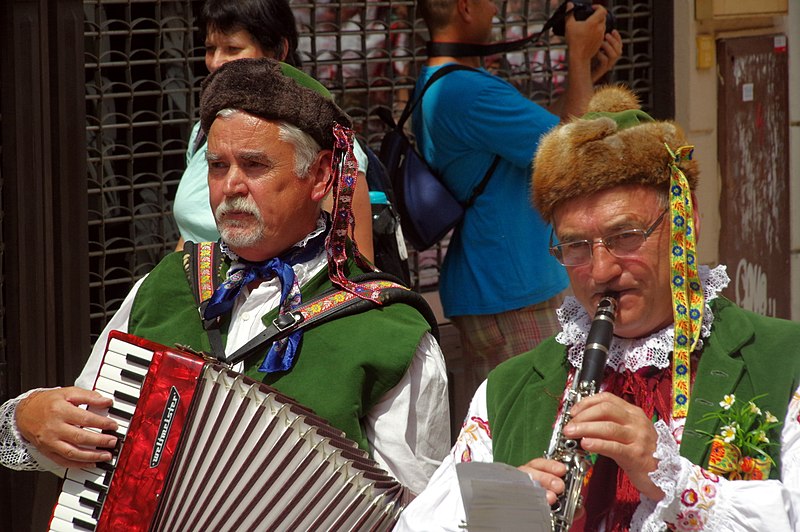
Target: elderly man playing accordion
{"points": [[695, 425], [276, 143]]}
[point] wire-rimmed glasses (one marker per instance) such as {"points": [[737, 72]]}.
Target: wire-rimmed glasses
{"points": [[622, 245]]}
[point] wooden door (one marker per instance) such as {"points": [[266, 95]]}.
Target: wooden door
{"points": [[753, 120]]}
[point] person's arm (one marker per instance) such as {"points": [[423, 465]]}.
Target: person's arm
{"points": [[409, 428], [362, 213], [696, 499], [439, 506], [588, 46]]}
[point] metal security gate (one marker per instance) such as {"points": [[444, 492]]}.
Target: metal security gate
{"points": [[142, 78], [98, 98], [144, 66]]}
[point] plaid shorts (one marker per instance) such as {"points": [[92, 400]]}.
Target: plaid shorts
{"points": [[489, 339]]}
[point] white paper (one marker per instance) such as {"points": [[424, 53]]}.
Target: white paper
{"points": [[501, 497]]}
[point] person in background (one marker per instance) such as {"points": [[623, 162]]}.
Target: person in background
{"points": [[498, 285], [238, 30], [696, 425], [379, 375]]}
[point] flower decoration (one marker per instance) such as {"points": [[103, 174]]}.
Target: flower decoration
{"points": [[727, 401], [740, 449]]}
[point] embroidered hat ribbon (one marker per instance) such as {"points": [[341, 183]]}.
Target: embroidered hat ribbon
{"points": [[687, 294]]}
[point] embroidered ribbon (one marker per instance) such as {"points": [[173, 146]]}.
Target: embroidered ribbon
{"points": [[281, 354], [687, 293], [344, 168], [205, 251]]}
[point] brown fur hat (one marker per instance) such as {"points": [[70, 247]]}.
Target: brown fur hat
{"points": [[616, 143], [275, 91]]}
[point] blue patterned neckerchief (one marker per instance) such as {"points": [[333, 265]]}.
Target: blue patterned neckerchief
{"points": [[281, 354]]}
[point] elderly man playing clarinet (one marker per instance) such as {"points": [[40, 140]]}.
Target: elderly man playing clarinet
{"points": [[276, 143], [695, 424]]}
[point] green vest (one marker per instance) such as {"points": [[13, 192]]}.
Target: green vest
{"points": [[342, 369], [746, 354]]}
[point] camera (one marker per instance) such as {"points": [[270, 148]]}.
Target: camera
{"points": [[581, 10]]}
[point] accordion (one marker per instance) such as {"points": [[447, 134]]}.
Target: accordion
{"points": [[205, 448]]}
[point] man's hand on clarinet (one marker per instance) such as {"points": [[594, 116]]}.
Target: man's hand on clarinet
{"points": [[549, 474], [52, 419], [610, 426]]}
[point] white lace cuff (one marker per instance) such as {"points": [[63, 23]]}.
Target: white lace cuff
{"points": [[15, 451], [650, 516]]}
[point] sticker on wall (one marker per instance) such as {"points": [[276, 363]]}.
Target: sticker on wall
{"points": [[747, 92], [779, 44]]}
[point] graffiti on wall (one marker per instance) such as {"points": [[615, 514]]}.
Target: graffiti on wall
{"points": [[751, 289]]}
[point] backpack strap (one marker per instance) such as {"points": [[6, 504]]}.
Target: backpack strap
{"points": [[335, 303], [202, 263], [413, 102], [386, 116]]}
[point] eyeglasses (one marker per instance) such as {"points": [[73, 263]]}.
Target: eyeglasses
{"points": [[622, 245]]}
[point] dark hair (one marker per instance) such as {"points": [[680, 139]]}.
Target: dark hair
{"points": [[268, 21]]}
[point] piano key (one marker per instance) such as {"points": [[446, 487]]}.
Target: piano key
{"points": [[119, 408], [122, 422], [124, 348], [127, 398], [80, 520], [59, 525], [85, 504], [116, 367], [106, 384], [89, 474]]}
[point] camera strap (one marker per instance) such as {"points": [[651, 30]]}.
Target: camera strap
{"points": [[462, 49]]}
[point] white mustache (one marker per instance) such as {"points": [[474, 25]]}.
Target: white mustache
{"points": [[237, 204]]}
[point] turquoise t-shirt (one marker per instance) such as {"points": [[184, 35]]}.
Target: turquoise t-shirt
{"points": [[191, 206], [499, 259]]}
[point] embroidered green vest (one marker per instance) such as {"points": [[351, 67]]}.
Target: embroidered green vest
{"points": [[746, 354], [343, 367]]}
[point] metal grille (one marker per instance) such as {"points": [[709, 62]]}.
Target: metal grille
{"points": [[140, 104], [143, 68]]}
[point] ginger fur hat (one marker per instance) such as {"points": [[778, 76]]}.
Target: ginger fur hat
{"points": [[615, 143], [275, 91]]}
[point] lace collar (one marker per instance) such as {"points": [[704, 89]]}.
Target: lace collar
{"points": [[635, 353]]}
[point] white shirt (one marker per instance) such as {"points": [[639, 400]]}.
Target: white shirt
{"points": [[408, 429]]}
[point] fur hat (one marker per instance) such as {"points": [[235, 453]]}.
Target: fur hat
{"points": [[275, 91], [615, 143]]}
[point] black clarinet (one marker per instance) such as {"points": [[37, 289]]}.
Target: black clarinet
{"points": [[586, 382]]}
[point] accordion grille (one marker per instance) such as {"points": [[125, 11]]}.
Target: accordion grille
{"points": [[252, 459]]}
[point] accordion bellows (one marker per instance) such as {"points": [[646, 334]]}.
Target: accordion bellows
{"points": [[245, 458]]}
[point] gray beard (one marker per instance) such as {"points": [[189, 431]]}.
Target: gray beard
{"points": [[238, 236]]}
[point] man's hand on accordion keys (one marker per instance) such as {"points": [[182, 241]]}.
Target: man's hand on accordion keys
{"points": [[54, 422]]}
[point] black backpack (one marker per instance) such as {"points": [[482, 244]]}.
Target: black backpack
{"points": [[428, 209], [389, 246]]}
